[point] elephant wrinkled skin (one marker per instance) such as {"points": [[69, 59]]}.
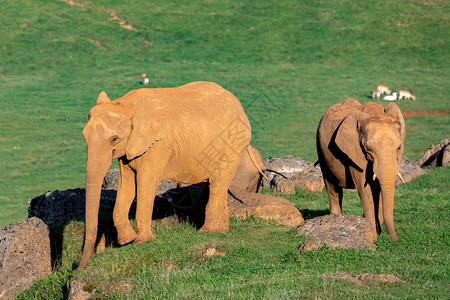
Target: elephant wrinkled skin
{"points": [[189, 134], [360, 146]]}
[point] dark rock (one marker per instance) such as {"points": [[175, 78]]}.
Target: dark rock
{"points": [[337, 231], [437, 155], [409, 170], [25, 256], [292, 168], [264, 207], [61, 207]]}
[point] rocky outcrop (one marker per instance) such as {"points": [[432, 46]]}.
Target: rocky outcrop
{"points": [[437, 155], [409, 170], [337, 231], [292, 168], [25, 256], [264, 207]]}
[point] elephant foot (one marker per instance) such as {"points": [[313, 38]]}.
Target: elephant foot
{"points": [[126, 237], [144, 237], [211, 228]]}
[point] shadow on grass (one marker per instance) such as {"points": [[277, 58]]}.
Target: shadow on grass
{"points": [[59, 208], [310, 214]]}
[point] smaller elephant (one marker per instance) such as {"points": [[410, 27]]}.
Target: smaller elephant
{"points": [[360, 146]]}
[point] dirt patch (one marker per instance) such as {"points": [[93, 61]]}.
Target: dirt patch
{"points": [[413, 113], [359, 279], [112, 13], [122, 22], [73, 3]]}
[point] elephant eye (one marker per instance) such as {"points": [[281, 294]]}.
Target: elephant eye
{"points": [[114, 140]]}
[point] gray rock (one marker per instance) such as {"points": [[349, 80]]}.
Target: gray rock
{"points": [[292, 168], [437, 155], [264, 207], [25, 256], [337, 231], [409, 170], [111, 182], [78, 290], [61, 207]]}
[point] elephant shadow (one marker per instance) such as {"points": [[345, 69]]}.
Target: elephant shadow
{"points": [[311, 214], [58, 208]]}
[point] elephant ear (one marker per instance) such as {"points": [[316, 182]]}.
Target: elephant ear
{"points": [[348, 139], [151, 122], [394, 111]]}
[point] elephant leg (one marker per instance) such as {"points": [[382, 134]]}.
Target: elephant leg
{"points": [[125, 197], [146, 192], [216, 214], [365, 193], [334, 196]]}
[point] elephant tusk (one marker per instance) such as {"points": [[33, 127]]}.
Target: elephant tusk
{"points": [[400, 176], [374, 177]]}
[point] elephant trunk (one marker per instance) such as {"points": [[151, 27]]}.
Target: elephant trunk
{"points": [[387, 185], [95, 172]]}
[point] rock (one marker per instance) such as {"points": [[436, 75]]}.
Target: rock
{"points": [[25, 256], [264, 207], [189, 203], [437, 155], [292, 167], [78, 290], [111, 182], [61, 207], [409, 170], [359, 279], [337, 231]]}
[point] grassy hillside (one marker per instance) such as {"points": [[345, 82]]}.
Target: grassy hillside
{"points": [[287, 62]]}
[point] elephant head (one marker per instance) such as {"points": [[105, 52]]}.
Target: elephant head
{"points": [[116, 129], [372, 137]]}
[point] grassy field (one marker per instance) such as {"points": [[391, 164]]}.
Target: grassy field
{"points": [[292, 58]]}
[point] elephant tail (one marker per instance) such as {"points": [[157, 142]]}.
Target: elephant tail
{"points": [[310, 168], [250, 154]]}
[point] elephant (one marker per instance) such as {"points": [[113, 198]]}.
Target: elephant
{"points": [[193, 133], [360, 147]]}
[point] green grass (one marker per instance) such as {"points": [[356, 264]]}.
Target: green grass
{"points": [[261, 259], [297, 58]]}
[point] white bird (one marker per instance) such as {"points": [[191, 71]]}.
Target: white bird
{"points": [[392, 97]]}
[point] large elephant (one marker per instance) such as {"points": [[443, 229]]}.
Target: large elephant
{"points": [[360, 146], [194, 133]]}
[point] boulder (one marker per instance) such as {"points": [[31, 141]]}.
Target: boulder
{"points": [[25, 256], [437, 155], [61, 207], [264, 207], [292, 168], [189, 203], [409, 170], [111, 182], [337, 231]]}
